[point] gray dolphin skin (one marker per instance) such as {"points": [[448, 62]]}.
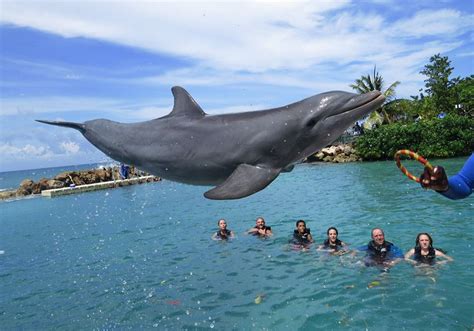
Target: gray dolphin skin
{"points": [[239, 153]]}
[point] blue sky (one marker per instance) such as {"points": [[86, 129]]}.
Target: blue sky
{"points": [[80, 60]]}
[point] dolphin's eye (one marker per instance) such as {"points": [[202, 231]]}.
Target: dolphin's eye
{"points": [[311, 123]]}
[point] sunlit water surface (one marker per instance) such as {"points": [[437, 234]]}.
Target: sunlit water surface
{"points": [[142, 257]]}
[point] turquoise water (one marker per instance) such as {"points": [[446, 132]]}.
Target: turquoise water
{"points": [[141, 257]]}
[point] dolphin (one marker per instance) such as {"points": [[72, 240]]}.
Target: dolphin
{"points": [[241, 153]]}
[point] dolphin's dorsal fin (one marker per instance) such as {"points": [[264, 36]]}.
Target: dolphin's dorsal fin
{"points": [[184, 104], [244, 181]]}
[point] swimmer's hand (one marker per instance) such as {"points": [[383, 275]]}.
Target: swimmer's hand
{"points": [[435, 179]]}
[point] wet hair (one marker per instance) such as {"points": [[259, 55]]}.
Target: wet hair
{"points": [[332, 228], [300, 221], [219, 221], [260, 218], [372, 232], [417, 243]]}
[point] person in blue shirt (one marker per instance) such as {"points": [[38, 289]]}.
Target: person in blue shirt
{"points": [[379, 252], [457, 187]]}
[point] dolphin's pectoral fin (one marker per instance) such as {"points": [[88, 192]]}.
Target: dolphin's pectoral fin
{"points": [[244, 181]]}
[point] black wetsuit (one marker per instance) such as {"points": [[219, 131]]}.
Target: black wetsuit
{"points": [[301, 239], [222, 236], [328, 245], [428, 259], [379, 254]]}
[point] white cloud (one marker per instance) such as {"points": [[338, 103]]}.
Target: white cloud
{"points": [[432, 23], [252, 36], [278, 43], [69, 147], [26, 151]]}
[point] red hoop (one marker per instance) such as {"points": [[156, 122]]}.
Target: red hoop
{"points": [[414, 156]]}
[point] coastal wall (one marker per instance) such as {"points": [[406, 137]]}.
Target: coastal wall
{"points": [[72, 179]]}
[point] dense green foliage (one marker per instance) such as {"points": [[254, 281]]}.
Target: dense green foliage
{"points": [[414, 124], [448, 137]]}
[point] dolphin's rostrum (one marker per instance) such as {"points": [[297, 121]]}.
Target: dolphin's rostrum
{"points": [[240, 153]]}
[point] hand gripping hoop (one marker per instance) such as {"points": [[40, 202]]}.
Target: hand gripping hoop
{"points": [[412, 155]]}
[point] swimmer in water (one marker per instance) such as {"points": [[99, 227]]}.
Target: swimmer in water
{"points": [[223, 233], [260, 229], [332, 243], [424, 252], [380, 252], [302, 234]]}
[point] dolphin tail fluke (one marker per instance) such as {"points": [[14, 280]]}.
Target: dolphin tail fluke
{"points": [[244, 181], [78, 126]]}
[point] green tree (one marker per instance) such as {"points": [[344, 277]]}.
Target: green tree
{"points": [[375, 82], [438, 85], [463, 94]]}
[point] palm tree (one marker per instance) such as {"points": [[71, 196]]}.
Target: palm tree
{"points": [[375, 82]]}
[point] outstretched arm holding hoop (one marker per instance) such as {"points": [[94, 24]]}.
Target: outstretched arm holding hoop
{"points": [[457, 187]]}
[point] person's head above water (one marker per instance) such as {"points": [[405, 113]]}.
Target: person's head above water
{"points": [[222, 224], [424, 240], [301, 226], [260, 223], [332, 234], [378, 236]]}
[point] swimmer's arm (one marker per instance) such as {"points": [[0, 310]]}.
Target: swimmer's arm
{"points": [[394, 261], [310, 237], [232, 234], [441, 254], [214, 236], [359, 249], [396, 253], [252, 231], [269, 232], [408, 256]]}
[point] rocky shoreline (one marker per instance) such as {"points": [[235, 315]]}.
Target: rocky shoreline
{"points": [[69, 179], [336, 154]]}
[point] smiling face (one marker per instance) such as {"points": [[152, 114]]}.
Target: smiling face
{"points": [[424, 241], [260, 223], [301, 227], [332, 235], [378, 236]]}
